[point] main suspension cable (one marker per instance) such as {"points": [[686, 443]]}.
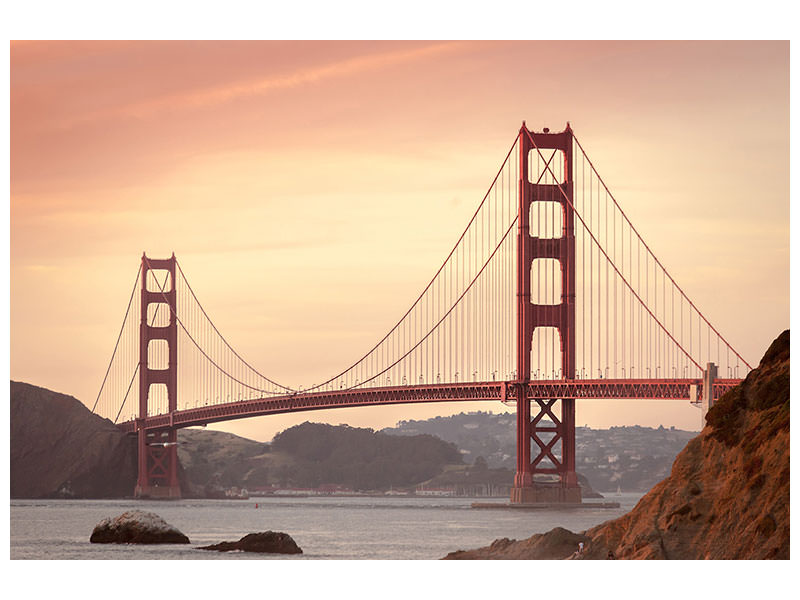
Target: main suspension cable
{"points": [[211, 360], [622, 212], [222, 337], [119, 337], [458, 300], [427, 287]]}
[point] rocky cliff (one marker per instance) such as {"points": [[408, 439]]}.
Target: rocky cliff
{"points": [[60, 449], [727, 496]]}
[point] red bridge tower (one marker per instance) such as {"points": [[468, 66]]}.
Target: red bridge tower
{"points": [[559, 316], [158, 449]]}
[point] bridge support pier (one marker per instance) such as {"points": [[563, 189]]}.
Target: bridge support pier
{"points": [[526, 489], [158, 465]]}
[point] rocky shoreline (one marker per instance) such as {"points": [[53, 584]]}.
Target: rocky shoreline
{"points": [[727, 496]]}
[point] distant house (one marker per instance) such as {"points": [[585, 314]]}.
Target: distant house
{"points": [[422, 491]]}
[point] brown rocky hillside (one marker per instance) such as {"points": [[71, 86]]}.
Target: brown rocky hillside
{"points": [[60, 449], [726, 498]]}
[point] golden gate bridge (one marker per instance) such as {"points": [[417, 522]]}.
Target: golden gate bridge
{"points": [[550, 295]]}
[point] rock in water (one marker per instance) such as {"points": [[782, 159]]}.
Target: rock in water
{"points": [[136, 527], [274, 542]]}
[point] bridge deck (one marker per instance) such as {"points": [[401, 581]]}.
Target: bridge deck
{"points": [[584, 389]]}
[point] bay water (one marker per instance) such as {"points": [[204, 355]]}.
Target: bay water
{"points": [[327, 527]]}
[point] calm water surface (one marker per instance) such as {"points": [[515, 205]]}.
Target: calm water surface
{"points": [[324, 527]]}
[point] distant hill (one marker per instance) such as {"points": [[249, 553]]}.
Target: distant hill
{"points": [[212, 461], [362, 459], [309, 455], [476, 434], [59, 449], [632, 458]]}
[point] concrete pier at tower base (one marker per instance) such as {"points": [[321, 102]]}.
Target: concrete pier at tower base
{"points": [[547, 505], [547, 493], [543, 495], [158, 492]]}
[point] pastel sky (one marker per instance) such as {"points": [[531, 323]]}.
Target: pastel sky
{"points": [[311, 189]]}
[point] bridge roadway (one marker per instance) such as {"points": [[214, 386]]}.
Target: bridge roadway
{"points": [[617, 389]]}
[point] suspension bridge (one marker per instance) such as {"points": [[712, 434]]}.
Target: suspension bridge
{"points": [[549, 296]]}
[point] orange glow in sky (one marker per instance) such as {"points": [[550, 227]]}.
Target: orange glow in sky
{"points": [[311, 189]]}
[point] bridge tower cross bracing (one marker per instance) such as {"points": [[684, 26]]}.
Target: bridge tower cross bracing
{"points": [[158, 449], [530, 316]]}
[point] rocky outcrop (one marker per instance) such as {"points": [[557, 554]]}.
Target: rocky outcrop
{"points": [[727, 496], [60, 449], [556, 544], [274, 542], [136, 527]]}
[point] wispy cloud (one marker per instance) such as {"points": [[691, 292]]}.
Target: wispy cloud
{"points": [[41, 268], [218, 95]]}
